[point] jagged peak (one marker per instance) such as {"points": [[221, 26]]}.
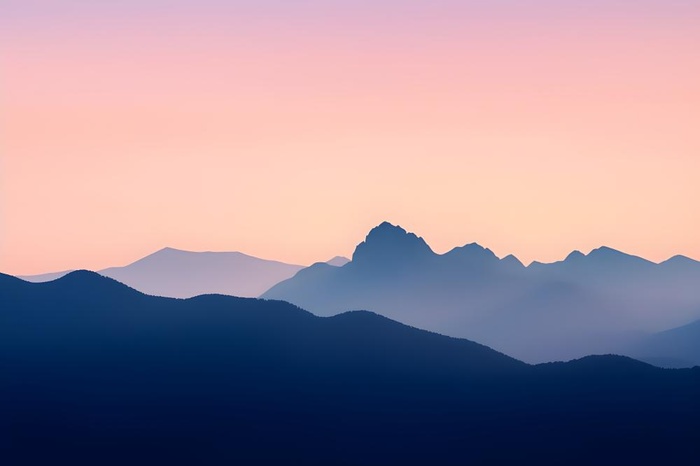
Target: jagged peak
{"points": [[387, 228], [474, 247], [574, 255], [606, 251], [472, 250], [512, 260], [387, 241]]}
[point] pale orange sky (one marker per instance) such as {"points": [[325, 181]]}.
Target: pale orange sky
{"points": [[289, 136]]}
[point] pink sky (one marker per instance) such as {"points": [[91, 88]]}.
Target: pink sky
{"points": [[288, 132]]}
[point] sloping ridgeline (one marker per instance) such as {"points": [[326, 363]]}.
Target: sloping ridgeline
{"points": [[603, 302], [95, 373]]}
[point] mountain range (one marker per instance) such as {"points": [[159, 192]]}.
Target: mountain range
{"points": [[604, 301], [183, 274], [95, 372]]}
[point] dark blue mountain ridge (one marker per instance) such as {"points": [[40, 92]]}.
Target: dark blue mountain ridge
{"points": [[94, 372], [107, 297]]}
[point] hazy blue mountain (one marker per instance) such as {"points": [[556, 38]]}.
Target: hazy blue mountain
{"points": [[682, 264], [94, 372], [678, 347], [595, 303], [601, 260], [606, 268], [390, 247], [658, 296]]}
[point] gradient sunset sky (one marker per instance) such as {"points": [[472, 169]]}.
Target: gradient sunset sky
{"points": [[287, 129]]}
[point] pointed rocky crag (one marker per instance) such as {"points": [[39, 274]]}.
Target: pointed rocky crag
{"points": [[390, 245]]}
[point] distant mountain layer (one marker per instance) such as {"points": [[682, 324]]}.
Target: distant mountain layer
{"points": [[338, 261], [678, 347], [601, 302], [45, 277], [94, 372], [184, 274], [604, 301]]}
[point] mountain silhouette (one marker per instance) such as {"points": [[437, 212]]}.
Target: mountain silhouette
{"points": [[678, 347], [682, 263], [511, 261], [390, 247], [472, 253], [184, 274], [597, 266], [176, 273], [94, 372], [338, 261], [599, 302]]}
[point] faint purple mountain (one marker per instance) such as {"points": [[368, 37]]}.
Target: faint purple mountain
{"points": [[338, 261], [44, 277], [183, 274]]}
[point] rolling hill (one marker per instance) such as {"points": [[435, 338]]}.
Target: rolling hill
{"points": [[94, 372]]}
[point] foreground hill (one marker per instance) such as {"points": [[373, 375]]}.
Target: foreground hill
{"points": [[601, 302], [94, 372]]}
